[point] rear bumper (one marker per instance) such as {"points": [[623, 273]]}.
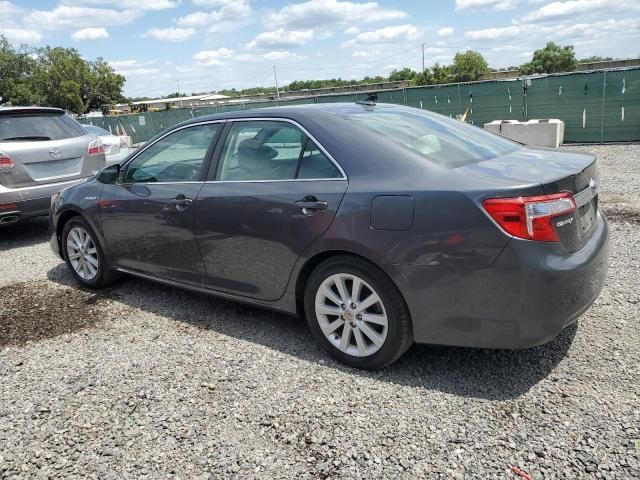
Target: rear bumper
{"points": [[18, 204], [525, 298]]}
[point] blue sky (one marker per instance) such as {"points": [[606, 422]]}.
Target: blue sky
{"points": [[214, 44]]}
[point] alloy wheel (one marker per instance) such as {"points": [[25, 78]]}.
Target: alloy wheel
{"points": [[82, 253], [351, 315]]}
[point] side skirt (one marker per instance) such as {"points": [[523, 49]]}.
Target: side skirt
{"points": [[278, 306]]}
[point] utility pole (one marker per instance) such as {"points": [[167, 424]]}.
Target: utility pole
{"points": [[275, 76], [178, 82], [423, 57]]}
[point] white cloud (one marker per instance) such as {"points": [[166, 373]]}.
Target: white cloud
{"points": [[8, 9], [557, 10], [399, 33], [536, 35], [281, 38], [213, 57], [232, 10], [314, 13], [127, 4], [90, 34], [445, 32], [282, 56], [501, 33], [486, 4], [133, 68], [170, 34], [21, 35], [352, 31], [66, 17], [212, 3]]}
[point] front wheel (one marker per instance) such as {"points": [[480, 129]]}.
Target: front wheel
{"points": [[357, 313], [84, 256]]}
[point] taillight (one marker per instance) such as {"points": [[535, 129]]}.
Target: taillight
{"points": [[6, 162], [95, 147], [530, 217]]}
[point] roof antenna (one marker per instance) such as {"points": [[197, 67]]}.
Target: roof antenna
{"points": [[370, 100]]}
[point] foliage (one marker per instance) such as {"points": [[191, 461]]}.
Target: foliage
{"points": [[404, 74], [468, 66], [595, 59], [551, 59], [58, 77]]}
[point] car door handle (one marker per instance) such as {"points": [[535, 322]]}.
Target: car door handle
{"points": [[181, 202], [310, 205]]}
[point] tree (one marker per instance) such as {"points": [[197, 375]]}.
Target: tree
{"points": [[551, 59], [468, 66], [595, 59], [404, 74], [59, 77], [17, 75]]}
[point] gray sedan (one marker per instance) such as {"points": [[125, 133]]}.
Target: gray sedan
{"points": [[382, 225]]}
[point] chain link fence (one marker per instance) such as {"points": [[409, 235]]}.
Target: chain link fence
{"points": [[596, 107]]}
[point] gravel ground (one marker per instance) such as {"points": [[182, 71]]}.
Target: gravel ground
{"points": [[141, 381]]}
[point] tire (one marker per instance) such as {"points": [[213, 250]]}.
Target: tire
{"points": [[358, 337], [95, 273]]}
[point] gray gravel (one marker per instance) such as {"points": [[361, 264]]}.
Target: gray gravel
{"points": [[167, 384]]}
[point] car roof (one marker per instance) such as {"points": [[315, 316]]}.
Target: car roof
{"points": [[296, 112], [17, 109]]}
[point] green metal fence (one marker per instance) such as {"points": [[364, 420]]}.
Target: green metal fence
{"points": [[599, 106]]}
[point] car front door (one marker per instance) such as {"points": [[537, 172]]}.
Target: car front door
{"points": [[148, 216], [272, 192]]}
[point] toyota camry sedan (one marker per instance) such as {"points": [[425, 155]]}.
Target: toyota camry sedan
{"points": [[382, 225]]}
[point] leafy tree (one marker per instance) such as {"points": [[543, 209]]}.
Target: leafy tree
{"points": [[551, 59], [17, 75], [404, 74], [596, 58], [468, 66], [56, 76], [101, 85]]}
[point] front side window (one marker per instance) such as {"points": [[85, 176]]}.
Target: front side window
{"points": [[271, 150], [178, 157]]}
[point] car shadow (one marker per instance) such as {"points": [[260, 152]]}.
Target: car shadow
{"points": [[467, 372], [24, 234]]}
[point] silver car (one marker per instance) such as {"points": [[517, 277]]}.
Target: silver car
{"points": [[42, 150]]}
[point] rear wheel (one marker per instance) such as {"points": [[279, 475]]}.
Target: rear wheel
{"points": [[356, 313], [84, 256]]}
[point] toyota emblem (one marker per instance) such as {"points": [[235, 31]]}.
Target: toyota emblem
{"points": [[593, 185], [55, 152]]}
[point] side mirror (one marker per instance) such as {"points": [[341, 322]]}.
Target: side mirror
{"points": [[109, 175]]}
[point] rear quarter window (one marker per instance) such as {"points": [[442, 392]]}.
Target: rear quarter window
{"points": [[38, 126]]}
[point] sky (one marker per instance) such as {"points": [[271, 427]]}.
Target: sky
{"points": [[207, 45]]}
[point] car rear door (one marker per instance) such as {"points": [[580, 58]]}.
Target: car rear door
{"points": [[147, 217], [272, 192], [45, 146]]}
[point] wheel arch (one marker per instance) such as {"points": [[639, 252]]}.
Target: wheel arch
{"points": [[312, 263], [65, 217]]}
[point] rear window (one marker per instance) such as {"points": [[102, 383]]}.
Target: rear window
{"points": [[38, 127], [96, 130], [441, 139]]}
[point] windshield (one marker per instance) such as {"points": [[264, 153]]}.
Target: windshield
{"points": [[38, 126], [436, 137], [96, 130]]}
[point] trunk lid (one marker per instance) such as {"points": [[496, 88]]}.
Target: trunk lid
{"points": [[555, 172]]}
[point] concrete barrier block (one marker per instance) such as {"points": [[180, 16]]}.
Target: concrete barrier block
{"points": [[539, 132]]}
